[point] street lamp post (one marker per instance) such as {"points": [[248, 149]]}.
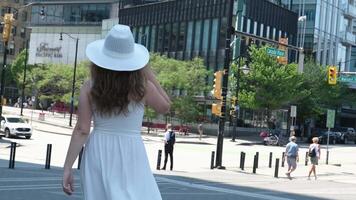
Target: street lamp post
{"points": [[74, 74], [24, 79], [245, 69]]}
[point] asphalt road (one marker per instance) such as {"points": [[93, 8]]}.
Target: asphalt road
{"points": [[36, 183]]}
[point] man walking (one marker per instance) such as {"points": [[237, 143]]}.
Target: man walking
{"points": [[291, 155], [169, 140]]}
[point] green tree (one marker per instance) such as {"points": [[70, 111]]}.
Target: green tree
{"points": [[269, 85], [320, 95], [188, 77]]}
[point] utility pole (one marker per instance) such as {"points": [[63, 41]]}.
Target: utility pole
{"points": [[229, 31]]}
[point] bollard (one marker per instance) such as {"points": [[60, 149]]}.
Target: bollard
{"points": [[241, 155], [80, 157], [306, 158], [159, 159], [283, 158], [12, 155], [270, 160], [48, 156], [254, 164], [327, 157], [212, 160], [257, 155], [276, 168], [243, 161]]}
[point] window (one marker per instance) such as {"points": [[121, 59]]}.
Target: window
{"points": [[189, 37], [206, 34], [197, 35], [181, 40], [214, 34]]}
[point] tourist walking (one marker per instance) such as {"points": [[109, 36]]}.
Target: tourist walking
{"points": [[115, 165]]}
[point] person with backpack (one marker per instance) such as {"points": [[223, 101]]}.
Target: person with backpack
{"points": [[169, 140], [314, 155]]}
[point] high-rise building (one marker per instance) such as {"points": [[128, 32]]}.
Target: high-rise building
{"points": [[328, 31]]}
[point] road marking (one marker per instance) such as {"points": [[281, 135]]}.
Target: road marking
{"points": [[223, 190], [32, 187], [33, 179]]}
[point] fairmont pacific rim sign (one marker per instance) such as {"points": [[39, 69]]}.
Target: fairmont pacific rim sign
{"points": [[46, 51]]}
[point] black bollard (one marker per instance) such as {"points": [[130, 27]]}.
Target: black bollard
{"points": [[12, 155], [257, 155], [270, 160], [276, 168], [306, 158], [243, 161], [212, 160], [241, 155], [80, 157], [283, 158], [327, 157], [254, 164], [48, 156], [159, 159]]}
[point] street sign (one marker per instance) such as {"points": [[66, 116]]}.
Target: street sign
{"points": [[293, 111], [347, 78], [275, 52], [330, 121]]}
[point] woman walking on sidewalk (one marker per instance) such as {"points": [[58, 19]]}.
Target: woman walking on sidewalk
{"points": [[115, 164], [314, 154]]}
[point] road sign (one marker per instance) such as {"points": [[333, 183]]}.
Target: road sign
{"points": [[293, 111], [330, 121], [347, 78], [275, 52]]}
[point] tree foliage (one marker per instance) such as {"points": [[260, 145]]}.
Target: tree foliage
{"points": [[51, 81], [187, 77], [269, 85]]}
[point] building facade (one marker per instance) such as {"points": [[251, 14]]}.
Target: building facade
{"points": [[82, 19], [329, 34], [198, 27], [19, 33]]}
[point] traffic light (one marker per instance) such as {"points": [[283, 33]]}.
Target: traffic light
{"points": [[233, 101], [8, 18], [332, 75], [217, 84], [216, 109]]}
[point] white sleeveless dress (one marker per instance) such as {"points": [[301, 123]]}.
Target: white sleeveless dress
{"points": [[115, 165]]}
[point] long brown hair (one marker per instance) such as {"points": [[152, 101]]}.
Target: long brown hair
{"points": [[112, 91]]}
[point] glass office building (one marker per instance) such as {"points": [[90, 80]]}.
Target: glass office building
{"points": [[184, 29], [329, 34]]}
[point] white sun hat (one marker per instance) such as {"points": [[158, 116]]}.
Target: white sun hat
{"points": [[118, 51]]}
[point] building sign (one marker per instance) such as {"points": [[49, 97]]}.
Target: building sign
{"points": [[43, 50]]}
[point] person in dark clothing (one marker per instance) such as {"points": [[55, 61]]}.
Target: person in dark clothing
{"points": [[169, 140]]}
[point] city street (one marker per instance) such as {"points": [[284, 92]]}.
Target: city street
{"points": [[191, 177]]}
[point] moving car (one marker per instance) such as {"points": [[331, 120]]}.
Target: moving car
{"points": [[12, 125]]}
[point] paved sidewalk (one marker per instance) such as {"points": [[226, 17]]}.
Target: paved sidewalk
{"points": [[192, 177]]}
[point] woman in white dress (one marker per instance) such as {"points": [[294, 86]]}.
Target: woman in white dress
{"points": [[114, 164]]}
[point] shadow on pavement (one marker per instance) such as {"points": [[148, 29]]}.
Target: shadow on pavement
{"points": [[226, 191]]}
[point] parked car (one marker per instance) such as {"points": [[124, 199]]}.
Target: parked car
{"points": [[15, 126], [348, 134], [334, 137]]}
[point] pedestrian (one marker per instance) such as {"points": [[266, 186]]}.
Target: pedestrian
{"points": [[292, 156], [314, 155], [200, 130], [169, 140], [114, 164]]}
